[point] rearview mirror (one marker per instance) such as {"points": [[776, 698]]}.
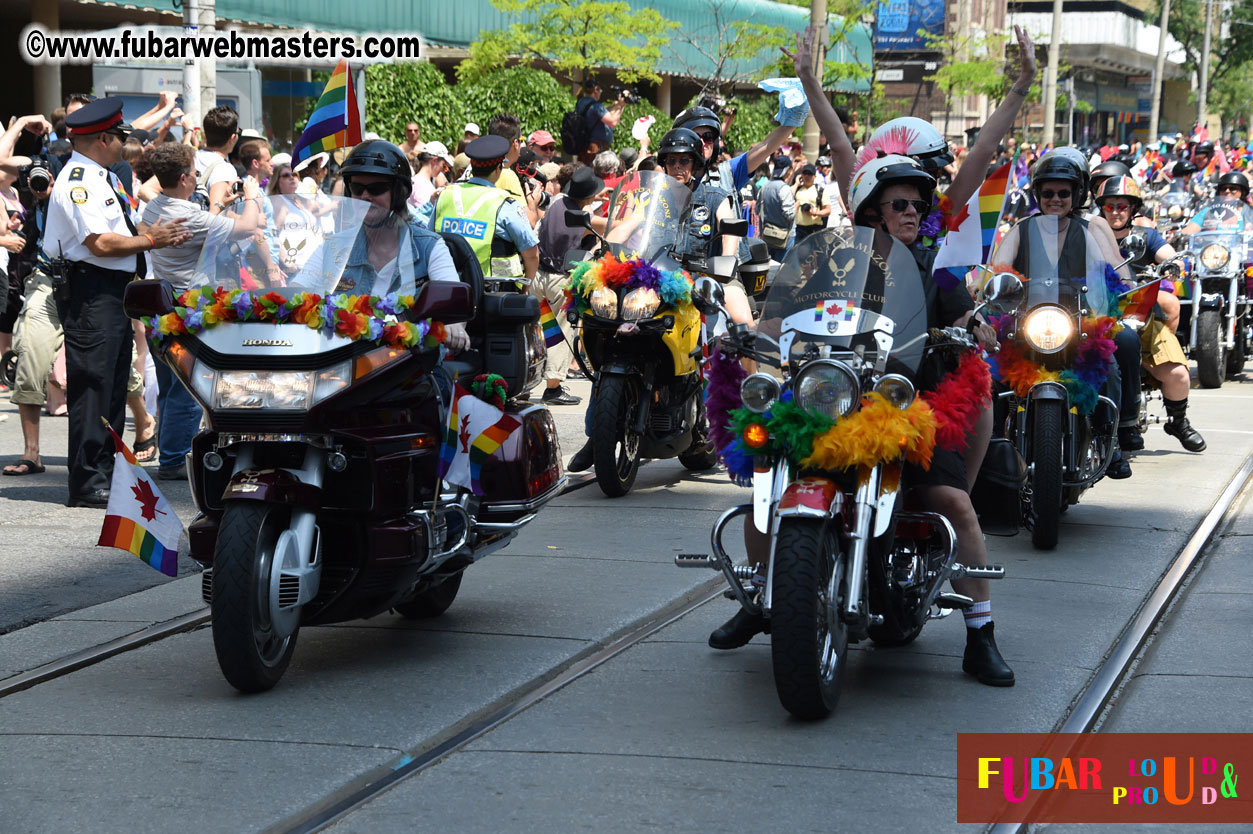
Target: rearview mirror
{"points": [[151, 297], [448, 302], [1134, 245], [708, 296], [578, 219], [1002, 293], [735, 228]]}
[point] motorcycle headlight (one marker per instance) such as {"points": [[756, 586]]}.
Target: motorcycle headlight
{"points": [[284, 390], [1047, 329], [758, 392], [827, 387], [640, 304], [605, 303], [1174, 212], [1215, 256], [897, 390]]}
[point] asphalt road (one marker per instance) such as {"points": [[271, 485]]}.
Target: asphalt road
{"points": [[669, 735]]}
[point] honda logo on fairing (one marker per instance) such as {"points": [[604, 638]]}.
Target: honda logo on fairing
{"points": [[267, 343]]}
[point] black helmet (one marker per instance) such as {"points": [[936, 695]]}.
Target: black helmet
{"points": [[1206, 148], [1066, 164], [384, 159], [695, 118], [683, 140], [1183, 168], [1237, 179]]}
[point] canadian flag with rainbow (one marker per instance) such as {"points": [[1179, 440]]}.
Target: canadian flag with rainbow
{"points": [[972, 231], [138, 519], [474, 432]]}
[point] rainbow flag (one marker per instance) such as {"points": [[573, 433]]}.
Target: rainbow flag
{"points": [[972, 232], [335, 122], [548, 321], [138, 519], [819, 309], [473, 433]]}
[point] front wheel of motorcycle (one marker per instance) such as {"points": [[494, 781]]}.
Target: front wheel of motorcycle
{"points": [[615, 443], [1210, 362], [1046, 471], [252, 654], [431, 602], [808, 637]]}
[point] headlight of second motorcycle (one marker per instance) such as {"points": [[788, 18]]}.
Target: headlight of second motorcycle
{"points": [[1215, 256], [827, 387], [605, 303], [1174, 212], [640, 304], [1047, 329], [283, 390]]}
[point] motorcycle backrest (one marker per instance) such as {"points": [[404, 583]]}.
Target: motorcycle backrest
{"points": [[466, 263], [150, 297]]}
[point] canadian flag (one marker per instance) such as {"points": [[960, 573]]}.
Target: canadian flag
{"points": [[475, 430], [138, 519]]}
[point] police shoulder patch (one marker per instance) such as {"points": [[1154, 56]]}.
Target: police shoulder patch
{"points": [[78, 195], [76, 173]]}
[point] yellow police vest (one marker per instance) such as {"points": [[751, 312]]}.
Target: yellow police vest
{"points": [[469, 210]]}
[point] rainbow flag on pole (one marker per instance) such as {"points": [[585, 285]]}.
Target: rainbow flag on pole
{"points": [[138, 519], [972, 231], [335, 122], [548, 321], [475, 430]]}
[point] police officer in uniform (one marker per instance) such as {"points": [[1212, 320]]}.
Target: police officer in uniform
{"points": [[489, 219], [98, 249]]}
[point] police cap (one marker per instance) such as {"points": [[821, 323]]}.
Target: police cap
{"points": [[488, 151], [96, 117]]}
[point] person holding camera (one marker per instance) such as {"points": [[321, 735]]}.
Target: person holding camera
{"points": [[98, 250], [600, 120], [812, 208]]}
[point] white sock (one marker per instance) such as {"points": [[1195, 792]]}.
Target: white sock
{"points": [[979, 615]]}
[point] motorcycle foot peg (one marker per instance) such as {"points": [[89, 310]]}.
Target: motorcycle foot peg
{"points": [[694, 560], [954, 601], [985, 572]]}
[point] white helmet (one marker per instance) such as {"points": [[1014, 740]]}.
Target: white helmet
{"points": [[894, 169], [913, 137]]}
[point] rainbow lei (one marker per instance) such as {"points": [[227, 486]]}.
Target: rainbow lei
{"points": [[356, 316], [1083, 381], [877, 433], [673, 286]]}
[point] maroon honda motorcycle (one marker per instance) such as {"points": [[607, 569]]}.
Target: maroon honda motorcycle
{"points": [[315, 473]]}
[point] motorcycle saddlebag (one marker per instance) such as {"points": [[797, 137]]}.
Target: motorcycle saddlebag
{"points": [[525, 472], [996, 495], [513, 341]]}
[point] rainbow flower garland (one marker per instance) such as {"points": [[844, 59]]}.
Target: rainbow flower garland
{"points": [[1083, 380], [673, 286], [877, 433], [355, 316]]}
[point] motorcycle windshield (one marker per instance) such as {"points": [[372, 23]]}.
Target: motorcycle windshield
{"points": [[1231, 251], [645, 213], [854, 289], [1175, 198], [314, 243], [1066, 264], [1224, 215]]}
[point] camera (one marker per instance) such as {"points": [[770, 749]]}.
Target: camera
{"points": [[718, 104], [237, 187], [37, 176], [628, 94], [807, 206]]}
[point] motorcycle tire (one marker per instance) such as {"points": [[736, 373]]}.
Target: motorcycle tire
{"points": [[615, 444], [8, 368], [1235, 358], [1047, 435], [808, 636], [430, 602], [1210, 362], [251, 655]]}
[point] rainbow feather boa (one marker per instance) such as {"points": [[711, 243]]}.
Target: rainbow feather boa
{"points": [[673, 286], [1083, 381], [355, 316], [877, 433]]}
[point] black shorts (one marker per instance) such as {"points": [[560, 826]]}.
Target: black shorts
{"points": [[948, 468]]}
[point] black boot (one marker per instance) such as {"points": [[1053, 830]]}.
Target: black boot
{"points": [[738, 630], [582, 460], [1177, 425], [1118, 468], [1130, 439], [983, 659]]}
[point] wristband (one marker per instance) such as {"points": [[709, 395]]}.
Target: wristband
{"points": [[152, 244], [1022, 93]]}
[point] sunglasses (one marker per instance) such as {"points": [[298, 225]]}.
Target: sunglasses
{"points": [[374, 189], [1115, 206], [286, 175], [679, 162], [1230, 189], [708, 138], [1048, 194], [552, 146], [900, 204]]}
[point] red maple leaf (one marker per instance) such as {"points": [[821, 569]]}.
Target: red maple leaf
{"points": [[147, 500], [464, 434], [835, 308], [959, 218]]}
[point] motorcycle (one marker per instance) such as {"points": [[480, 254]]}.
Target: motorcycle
{"points": [[641, 333], [1055, 354], [822, 438], [1215, 307], [1172, 212], [316, 473]]}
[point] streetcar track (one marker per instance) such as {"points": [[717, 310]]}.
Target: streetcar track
{"points": [[1087, 712]]}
